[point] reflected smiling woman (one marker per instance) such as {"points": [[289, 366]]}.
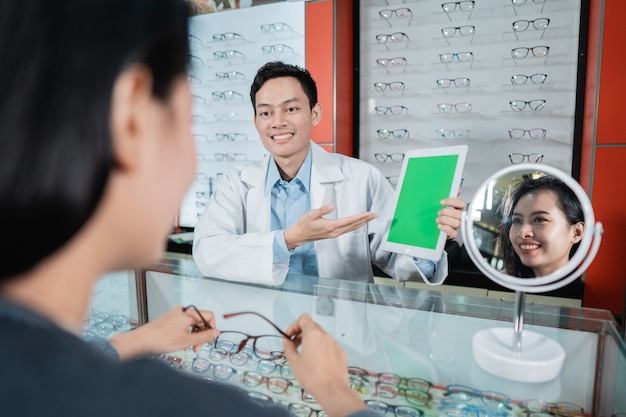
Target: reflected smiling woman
{"points": [[543, 226]]}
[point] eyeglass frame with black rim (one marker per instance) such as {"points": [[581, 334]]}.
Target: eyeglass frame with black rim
{"points": [[384, 157], [532, 133], [536, 157], [395, 133], [394, 110], [384, 408]]}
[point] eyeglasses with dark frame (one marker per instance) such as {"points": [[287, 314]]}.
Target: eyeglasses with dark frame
{"points": [[537, 24], [465, 6], [394, 157], [393, 86], [393, 37], [394, 110], [521, 79], [535, 133], [395, 134], [534, 105], [451, 31], [518, 158], [401, 13], [245, 337], [460, 82], [259, 352], [537, 51], [398, 410], [399, 61]]}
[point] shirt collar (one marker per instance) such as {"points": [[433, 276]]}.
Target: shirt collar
{"points": [[303, 175]]}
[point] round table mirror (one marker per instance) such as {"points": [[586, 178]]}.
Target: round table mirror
{"points": [[529, 228]]}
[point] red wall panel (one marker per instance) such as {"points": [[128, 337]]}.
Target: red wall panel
{"points": [[344, 44], [613, 81], [319, 60], [603, 170], [605, 280]]}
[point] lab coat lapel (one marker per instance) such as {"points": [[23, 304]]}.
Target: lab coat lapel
{"points": [[257, 202], [325, 173]]}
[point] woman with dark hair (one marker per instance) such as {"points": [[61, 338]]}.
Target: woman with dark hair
{"points": [[543, 226], [96, 154]]}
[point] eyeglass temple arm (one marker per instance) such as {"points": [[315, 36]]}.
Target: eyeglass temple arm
{"points": [[230, 315], [206, 323]]}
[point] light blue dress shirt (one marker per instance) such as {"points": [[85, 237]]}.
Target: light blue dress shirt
{"points": [[290, 201]]}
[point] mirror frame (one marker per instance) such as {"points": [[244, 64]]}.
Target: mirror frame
{"points": [[557, 279]]}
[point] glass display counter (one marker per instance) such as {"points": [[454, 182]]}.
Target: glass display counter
{"points": [[424, 337]]}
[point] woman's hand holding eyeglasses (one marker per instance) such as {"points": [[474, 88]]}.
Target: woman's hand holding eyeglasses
{"points": [[175, 330], [321, 367]]}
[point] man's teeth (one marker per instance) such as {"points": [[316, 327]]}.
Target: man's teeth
{"points": [[529, 247], [281, 137]]}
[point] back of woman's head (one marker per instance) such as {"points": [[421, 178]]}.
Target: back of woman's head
{"points": [[567, 201], [60, 61]]}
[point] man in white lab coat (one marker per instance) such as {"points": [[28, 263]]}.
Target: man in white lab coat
{"points": [[302, 209]]}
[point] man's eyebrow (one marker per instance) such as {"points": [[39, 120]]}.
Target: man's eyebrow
{"points": [[288, 101]]}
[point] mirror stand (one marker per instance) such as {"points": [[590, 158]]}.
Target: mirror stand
{"points": [[518, 321], [518, 354]]}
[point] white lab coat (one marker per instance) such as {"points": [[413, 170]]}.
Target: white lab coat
{"points": [[233, 241]]}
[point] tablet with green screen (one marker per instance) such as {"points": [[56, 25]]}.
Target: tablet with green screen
{"points": [[427, 177]]}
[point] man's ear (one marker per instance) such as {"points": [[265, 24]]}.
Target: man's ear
{"points": [[131, 96], [316, 114]]}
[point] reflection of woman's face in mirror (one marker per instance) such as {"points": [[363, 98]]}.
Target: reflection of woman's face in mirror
{"points": [[540, 233], [543, 226]]}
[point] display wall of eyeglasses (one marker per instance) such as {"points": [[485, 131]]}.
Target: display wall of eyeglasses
{"points": [[497, 75], [227, 49]]}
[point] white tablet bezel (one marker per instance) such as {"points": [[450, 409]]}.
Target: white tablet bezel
{"points": [[409, 248]]}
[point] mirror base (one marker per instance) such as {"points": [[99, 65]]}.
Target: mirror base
{"points": [[541, 358]]}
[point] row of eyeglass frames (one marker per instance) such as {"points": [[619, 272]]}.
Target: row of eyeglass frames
{"points": [[266, 377]]}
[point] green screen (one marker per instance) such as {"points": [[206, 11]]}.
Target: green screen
{"points": [[427, 181]]}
